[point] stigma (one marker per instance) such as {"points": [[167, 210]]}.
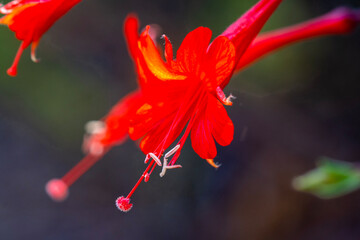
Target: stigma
{"points": [[123, 203]]}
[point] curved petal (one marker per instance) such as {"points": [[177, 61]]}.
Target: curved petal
{"points": [[131, 29], [117, 121], [212, 122], [222, 126], [220, 61], [201, 139], [193, 49], [153, 60]]}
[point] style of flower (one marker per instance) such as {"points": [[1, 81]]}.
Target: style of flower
{"points": [[30, 19], [185, 94]]}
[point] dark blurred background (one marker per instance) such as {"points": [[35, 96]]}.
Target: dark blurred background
{"points": [[292, 107]]}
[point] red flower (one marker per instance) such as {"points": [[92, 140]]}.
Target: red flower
{"points": [[185, 95], [30, 19]]}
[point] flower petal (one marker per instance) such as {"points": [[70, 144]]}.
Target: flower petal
{"points": [[222, 126], [212, 122], [220, 61], [193, 49], [131, 29], [153, 60], [117, 121], [201, 139]]}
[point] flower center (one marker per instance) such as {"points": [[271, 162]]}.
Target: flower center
{"points": [[194, 100]]}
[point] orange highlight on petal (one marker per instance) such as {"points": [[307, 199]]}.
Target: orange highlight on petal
{"points": [[213, 164]]}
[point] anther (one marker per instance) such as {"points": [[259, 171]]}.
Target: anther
{"points": [[221, 96], [155, 158], [96, 149], [165, 167], [172, 151], [146, 177], [228, 99], [147, 158], [95, 127]]}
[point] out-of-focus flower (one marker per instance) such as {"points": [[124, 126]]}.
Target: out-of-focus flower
{"points": [[185, 95], [341, 20], [30, 19], [99, 138], [330, 179]]}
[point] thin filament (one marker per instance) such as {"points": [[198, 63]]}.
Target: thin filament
{"points": [[79, 169]]}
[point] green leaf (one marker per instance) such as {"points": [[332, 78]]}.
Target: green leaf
{"points": [[330, 179]]}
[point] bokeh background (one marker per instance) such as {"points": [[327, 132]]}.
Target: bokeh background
{"points": [[292, 107]]}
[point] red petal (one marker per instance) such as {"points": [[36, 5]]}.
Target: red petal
{"points": [[131, 29], [164, 115], [201, 139], [153, 60], [117, 121], [212, 122], [223, 127], [192, 50], [220, 61]]}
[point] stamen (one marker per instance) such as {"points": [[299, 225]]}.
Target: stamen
{"points": [[57, 189], [4, 10], [172, 151], [213, 164], [33, 52], [156, 159], [173, 167], [152, 169], [96, 148], [124, 203], [165, 167], [95, 131], [222, 98], [147, 158], [95, 127], [147, 177], [229, 98]]}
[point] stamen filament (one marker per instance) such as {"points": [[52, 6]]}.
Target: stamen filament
{"points": [[57, 189], [152, 169], [140, 179], [80, 168]]}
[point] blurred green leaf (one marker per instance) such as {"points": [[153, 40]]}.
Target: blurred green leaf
{"points": [[330, 179]]}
